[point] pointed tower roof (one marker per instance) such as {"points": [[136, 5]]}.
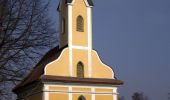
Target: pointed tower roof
{"points": [[90, 3]]}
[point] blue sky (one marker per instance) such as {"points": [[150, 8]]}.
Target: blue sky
{"points": [[133, 36]]}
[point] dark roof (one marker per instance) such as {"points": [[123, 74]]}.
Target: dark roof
{"points": [[63, 79], [72, 80], [38, 70], [90, 2], [69, 1]]}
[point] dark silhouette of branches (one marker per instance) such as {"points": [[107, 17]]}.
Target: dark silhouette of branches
{"points": [[25, 34], [121, 98], [139, 96]]}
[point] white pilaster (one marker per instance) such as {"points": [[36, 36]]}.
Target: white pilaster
{"points": [[93, 94], [70, 39], [70, 93], [115, 97], [46, 94], [89, 30]]}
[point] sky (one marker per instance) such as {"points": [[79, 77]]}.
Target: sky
{"points": [[133, 36]]}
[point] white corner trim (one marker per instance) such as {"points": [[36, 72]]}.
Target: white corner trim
{"points": [[115, 94], [80, 47], [70, 23], [80, 86], [89, 30], [89, 27], [70, 94], [87, 4], [93, 95], [46, 93]]}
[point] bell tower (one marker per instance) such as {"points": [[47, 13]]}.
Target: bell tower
{"points": [[75, 23], [76, 31]]}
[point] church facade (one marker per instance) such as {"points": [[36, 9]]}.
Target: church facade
{"points": [[72, 70]]}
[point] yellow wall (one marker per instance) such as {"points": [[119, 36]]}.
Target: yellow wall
{"points": [[59, 67], [80, 38], [100, 70], [81, 89], [104, 97], [62, 93], [58, 88], [80, 55], [58, 96], [104, 90], [76, 96], [62, 96]]}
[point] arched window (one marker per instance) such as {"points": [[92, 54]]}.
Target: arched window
{"points": [[80, 70], [81, 98], [80, 24]]}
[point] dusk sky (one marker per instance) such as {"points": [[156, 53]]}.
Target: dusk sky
{"points": [[133, 36]]}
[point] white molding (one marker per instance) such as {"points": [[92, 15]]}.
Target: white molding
{"points": [[80, 92], [70, 23], [115, 95], [46, 93], [93, 95], [87, 4], [80, 47], [70, 94], [80, 86], [89, 30]]}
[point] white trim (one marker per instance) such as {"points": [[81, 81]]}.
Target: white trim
{"points": [[87, 4], [46, 93], [70, 39], [89, 22], [70, 94], [70, 90], [80, 86], [89, 29], [115, 95], [80, 47], [93, 95], [80, 92]]}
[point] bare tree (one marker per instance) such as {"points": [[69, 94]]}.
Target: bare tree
{"points": [[121, 98], [139, 96], [25, 34]]}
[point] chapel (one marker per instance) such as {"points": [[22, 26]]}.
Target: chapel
{"points": [[72, 70]]}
